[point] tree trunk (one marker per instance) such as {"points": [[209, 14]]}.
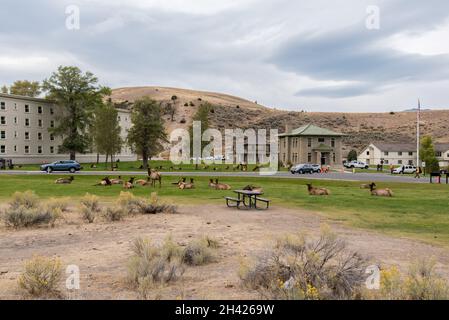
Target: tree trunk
{"points": [[106, 160], [112, 162], [72, 155], [145, 160], [98, 158]]}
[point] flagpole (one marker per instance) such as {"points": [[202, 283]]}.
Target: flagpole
{"points": [[418, 120]]}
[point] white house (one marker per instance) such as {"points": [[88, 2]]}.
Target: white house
{"points": [[400, 153]]}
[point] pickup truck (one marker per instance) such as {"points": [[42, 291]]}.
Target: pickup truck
{"points": [[356, 164]]}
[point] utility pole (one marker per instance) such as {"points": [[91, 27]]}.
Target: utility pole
{"points": [[418, 142]]}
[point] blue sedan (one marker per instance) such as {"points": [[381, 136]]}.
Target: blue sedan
{"points": [[64, 165]]}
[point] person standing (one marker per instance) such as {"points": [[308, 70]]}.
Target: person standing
{"points": [[418, 172], [391, 168]]}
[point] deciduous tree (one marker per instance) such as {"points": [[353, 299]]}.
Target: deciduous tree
{"points": [[26, 88]]}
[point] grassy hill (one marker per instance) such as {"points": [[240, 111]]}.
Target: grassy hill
{"points": [[230, 111]]}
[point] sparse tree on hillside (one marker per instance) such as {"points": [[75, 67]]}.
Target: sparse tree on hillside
{"points": [[78, 94], [427, 155], [352, 155], [106, 130], [26, 88], [147, 134], [170, 109]]}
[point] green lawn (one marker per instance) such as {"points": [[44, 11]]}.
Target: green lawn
{"points": [[135, 166], [419, 211]]}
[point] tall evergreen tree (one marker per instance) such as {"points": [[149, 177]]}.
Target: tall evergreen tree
{"points": [[78, 94], [147, 135], [202, 115]]}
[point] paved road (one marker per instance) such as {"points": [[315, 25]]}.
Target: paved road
{"points": [[377, 177]]}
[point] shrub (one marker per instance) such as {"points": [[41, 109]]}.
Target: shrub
{"points": [[151, 266], [154, 206], [200, 252], [27, 199], [299, 269], [114, 214], [420, 283], [41, 276], [129, 203], [90, 207], [27, 217], [60, 204]]}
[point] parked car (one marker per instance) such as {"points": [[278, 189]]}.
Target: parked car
{"points": [[316, 168], [302, 169], [405, 169], [356, 164], [64, 165]]}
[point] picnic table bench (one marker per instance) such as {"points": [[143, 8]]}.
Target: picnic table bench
{"points": [[248, 198]]}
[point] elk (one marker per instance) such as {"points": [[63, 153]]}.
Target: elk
{"points": [[253, 188], [221, 186], [65, 180], [212, 184], [380, 192], [104, 182], [129, 184], [117, 181], [143, 182], [317, 191], [367, 186], [154, 176], [184, 185]]}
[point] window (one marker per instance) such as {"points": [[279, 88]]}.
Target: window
{"points": [[39, 136], [2, 149], [2, 120], [438, 153], [386, 161], [309, 157], [15, 134], [399, 161], [400, 153], [39, 110], [386, 153], [410, 154], [2, 106], [15, 120], [51, 111], [52, 124], [27, 108], [52, 149], [333, 144], [27, 149], [410, 162], [334, 157], [39, 149], [2, 134], [27, 136], [15, 148], [309, 142], [15, 106], [321, 140], [39, 123], [52, 137], [27, 122], [119, 119], [367, 153]]}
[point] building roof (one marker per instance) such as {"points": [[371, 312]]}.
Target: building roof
{"points": [[14, 96], [311, 130], [407, 147]]}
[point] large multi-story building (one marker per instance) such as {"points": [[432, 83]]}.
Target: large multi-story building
{"points": [[311, 144], [400, 153], [24, 131]]}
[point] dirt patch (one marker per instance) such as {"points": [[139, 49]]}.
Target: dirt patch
{"points": [[102, 250]]}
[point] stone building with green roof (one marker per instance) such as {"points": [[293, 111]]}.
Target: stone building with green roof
{"points": [[311, 144]]}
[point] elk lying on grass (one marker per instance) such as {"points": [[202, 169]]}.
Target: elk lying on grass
{"points": [[252, 188], [184, 185], [143, 182], [129, 184], [104, 182], [317, 191], [221, 186], [212, 184], [117, 181], [65, 180], [380, 192]]}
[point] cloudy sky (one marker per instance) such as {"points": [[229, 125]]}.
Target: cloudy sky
{"points": [[315, 55]]}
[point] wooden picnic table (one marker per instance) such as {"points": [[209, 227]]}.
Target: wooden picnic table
{"points": [[248, 198]]}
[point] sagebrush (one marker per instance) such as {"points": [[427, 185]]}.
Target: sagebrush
{"points": [[41, 276]]}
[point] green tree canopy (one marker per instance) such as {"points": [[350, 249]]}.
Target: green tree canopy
{"points": [[201, 115], [106, 131], [78, 94], [427, 155], [5, 90], [26, 88], [147, 135], [352, 155]]}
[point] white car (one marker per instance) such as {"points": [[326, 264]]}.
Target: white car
{"points": [[356, 164], [405, 169]]}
